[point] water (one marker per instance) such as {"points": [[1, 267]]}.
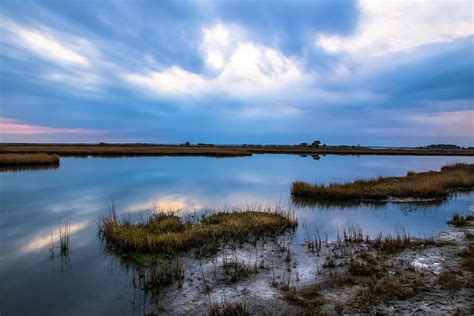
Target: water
{"points": [[89, 281]]}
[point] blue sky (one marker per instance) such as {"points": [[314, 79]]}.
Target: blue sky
{"points": [[364, 72]]}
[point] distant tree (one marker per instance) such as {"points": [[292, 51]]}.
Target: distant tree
{"points": [[304, 144], [187, 144], [316, 143]]}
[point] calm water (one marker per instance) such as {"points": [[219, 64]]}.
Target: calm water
{"points": [[33, 202]]}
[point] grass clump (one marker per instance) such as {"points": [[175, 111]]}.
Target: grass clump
{"points": [[309, 298], [423, 185], [228, 308], [401, 286], [451, 279], [468, 258], [159, 274], [166, 232], [461, 221]]}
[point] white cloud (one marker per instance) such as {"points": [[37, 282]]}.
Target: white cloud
{"points": [[43, 43], [215, 46], [240, 68], [173, 80], [393, 25], [43, 239], [269, 112]]}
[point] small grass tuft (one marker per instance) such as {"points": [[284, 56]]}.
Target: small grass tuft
{"points": [[228, 308], [461, 221]]}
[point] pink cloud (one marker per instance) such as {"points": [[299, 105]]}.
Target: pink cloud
{"points": [[14, 127]]}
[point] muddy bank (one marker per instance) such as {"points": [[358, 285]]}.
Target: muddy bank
{"points": [[353, 274]]}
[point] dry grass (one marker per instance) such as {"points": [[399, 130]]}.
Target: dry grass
{"points": [[28, 159], [309, 298], [166, 232], [461, 221], [111, 150], [468, 257], [451, 279], [228, 308], [382, 290], [423, 185]]}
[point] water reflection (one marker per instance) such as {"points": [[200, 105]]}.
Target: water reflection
{"points": [[14, 169], [404, 205]]}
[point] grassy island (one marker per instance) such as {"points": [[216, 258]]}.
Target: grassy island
{"points": [[166, 232], [422, 185]]}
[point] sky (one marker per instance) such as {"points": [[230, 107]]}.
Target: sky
{"points": [[378, 72]]}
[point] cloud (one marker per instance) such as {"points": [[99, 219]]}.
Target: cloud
{"points": [[388, 26], [454, 123], [45, 44], [43, 239], [244, 69], [14, 127], [439, 127]]}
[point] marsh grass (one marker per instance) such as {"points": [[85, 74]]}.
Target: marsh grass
{"points": [[64, 235], [451, 279], [160, 274], [51, 244], [228, 308], [382, 290], [166, 232], [28, 159], [468, 257], [236, 269], [461, 221], [366, 274], [423, 185]]}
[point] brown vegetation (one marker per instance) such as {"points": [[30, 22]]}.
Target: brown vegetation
{"points": [[461, 221], [18, 160], [423, 185], [228, 308], [118, 150], [166, 232]]}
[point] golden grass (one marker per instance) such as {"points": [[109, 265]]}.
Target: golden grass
{"points": [[423, 185], [165, 232], [28, 159]]}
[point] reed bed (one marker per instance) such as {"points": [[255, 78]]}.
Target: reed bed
{"points": [[423, 185], [166, 232], [28, 159]]}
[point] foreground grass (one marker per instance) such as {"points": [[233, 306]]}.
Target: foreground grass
{"points": [[28, 159], [167, 233], [423, 185], [361, 274]]}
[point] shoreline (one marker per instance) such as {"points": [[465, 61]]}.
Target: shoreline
{"points": [[207, 150]]}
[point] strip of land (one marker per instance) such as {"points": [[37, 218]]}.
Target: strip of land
{"points": [[423, 185], [36, 159], [209, 150]]}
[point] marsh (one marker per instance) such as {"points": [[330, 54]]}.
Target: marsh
{"points": [[91, 280]]}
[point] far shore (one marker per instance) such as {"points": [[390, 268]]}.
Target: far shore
{"points": [[209, 150]]}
